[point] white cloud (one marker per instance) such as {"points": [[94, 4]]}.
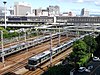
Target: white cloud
{"points": [[80, 1], [97, 3], [95, 10]]}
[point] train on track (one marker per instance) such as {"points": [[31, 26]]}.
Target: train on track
{"points": [[21, 46], [35, 61]]}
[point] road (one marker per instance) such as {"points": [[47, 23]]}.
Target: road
{"points": [[94, 71]]}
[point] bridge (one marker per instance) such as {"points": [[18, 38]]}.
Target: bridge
{"points": [[73, 28], [78, 19], [18, 25], [47, 19]]}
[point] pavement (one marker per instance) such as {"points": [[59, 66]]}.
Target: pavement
{"points": [[21, 71], [94, 71]]}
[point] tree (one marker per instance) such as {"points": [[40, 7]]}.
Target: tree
{"points": [[79, 46], [91, 43], [59, 70], [79, 51], [97, 52]]}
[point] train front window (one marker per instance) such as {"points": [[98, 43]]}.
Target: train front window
{"points": [[32, 62]]}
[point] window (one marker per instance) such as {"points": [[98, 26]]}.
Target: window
{"points": [[32, 62]]}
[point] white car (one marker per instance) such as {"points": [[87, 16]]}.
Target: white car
{"points": [[81, 69], [96, 59], [87, 70]]}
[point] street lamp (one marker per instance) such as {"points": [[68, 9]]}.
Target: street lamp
{"points": [[5, 11]]}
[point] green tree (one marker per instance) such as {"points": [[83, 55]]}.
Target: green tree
{"points": [[5, 32], [97, 52], [79, 51], [59, 70], [91, 43]]}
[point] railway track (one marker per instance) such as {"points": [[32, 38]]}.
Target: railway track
{"points": [[21, 63], [17, 42], [34, 52], [44, 67]]}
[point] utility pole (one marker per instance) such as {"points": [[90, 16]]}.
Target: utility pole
{"points": [[25, 36], [51, 50], [59, 36], [25, 40], [2, 55], [5, 12]]}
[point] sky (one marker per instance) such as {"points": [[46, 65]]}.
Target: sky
{"points": [[65, 5]]}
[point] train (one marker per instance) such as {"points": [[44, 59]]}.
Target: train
{"points": [[21, 46], [35, 61]]}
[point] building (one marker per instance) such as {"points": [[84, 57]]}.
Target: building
{"points": [[70, 13], [84, 12], [2, 11], [11, 11], [45, 12], [53, 10], [65, 14], [37, 12], [21, 9], [40, 12]]}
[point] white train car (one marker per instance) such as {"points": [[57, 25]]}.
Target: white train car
{"points": [[28, 44], [35, 61]]}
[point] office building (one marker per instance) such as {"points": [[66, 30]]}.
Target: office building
{"points": [[11, 11], [37, 12], [21, 9], [53, 10], [84, 12]]}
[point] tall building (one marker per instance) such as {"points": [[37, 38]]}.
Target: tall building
{"points": [[21, 9], [84, 12], [53, 10]]}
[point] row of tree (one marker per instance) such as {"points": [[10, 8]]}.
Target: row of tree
{"points": [[97, 52], [7, 34], [82, 51]]}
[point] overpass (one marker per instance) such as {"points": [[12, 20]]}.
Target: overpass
{"points": [[73, 28], [18, 25], [48, 19]]}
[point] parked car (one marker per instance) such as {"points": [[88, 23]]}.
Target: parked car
{"points": [[87, 70], [90, 67], [81, 69], [96, 59]]}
